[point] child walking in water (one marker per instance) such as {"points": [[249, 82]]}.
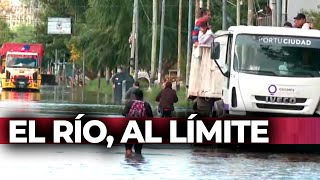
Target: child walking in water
{"points": [[137, 108]]}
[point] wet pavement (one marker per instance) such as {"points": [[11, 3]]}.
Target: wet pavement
{"points": [[158, 161]]}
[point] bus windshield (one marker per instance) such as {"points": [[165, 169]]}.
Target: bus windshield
{"points": [[277, 56], [22, 61]]}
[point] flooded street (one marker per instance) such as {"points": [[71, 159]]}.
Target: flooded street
{"points": [[56, 101], [60, 101], [157, 162]]}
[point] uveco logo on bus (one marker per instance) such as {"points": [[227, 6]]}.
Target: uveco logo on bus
{"points": [[285, 100]]}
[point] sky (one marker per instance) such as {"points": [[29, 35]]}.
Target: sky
{"points": [[295, 6], [15, 2]]}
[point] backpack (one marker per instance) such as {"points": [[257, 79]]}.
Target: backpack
{"points": [[137, 110]]}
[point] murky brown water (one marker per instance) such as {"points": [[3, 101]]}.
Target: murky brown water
{"points": [[158, 161]]}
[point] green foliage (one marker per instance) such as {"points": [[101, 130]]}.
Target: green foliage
{"points": [[314, 17], [55, 8], [24, 34], [93, 84], [101, 30], [6, 34], [149, 94], [232, 12]]}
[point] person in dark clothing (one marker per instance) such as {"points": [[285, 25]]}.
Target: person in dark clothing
{"points": [[117, 81], [287, 24], [166, 98], [137, 108], [129, 94], [300, 21], [202, 106], [138, 97]]}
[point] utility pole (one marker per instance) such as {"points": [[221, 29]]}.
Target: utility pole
{"points": [[161, 40], [64, 69], [274, 12], [83, 69], [136, 62], [99, 79], [189, 42], [154, 39], [224, 14], [286, 10], [73, 73], [179, 41], [56, 65], [133, 40], [49, 68], [279, 13], [250, 12], [238, 12]]}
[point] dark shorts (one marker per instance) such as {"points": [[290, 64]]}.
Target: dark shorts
{"points": [[166, 113], [137, 147]]}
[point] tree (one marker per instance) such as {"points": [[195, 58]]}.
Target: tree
{"points": [[58, 8], [101, 29], [6, 34], [232, 13], [24, 34], [314, 16]]}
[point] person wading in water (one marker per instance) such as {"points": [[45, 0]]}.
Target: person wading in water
{"points": [[136, 108], [166, 98]]}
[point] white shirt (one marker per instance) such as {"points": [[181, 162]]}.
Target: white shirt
{"points": [[306, 26], [204, 39], [207, 38]]}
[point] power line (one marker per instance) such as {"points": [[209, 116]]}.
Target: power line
{"points": [[148, 18], [145, 12]]}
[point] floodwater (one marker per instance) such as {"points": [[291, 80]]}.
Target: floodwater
{"points": [[61, 101], [157, 161]]}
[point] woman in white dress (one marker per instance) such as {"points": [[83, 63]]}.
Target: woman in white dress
{"points": [[206, 35]]}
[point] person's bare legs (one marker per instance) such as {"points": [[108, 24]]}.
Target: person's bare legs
{"points": [[129, 149]]}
